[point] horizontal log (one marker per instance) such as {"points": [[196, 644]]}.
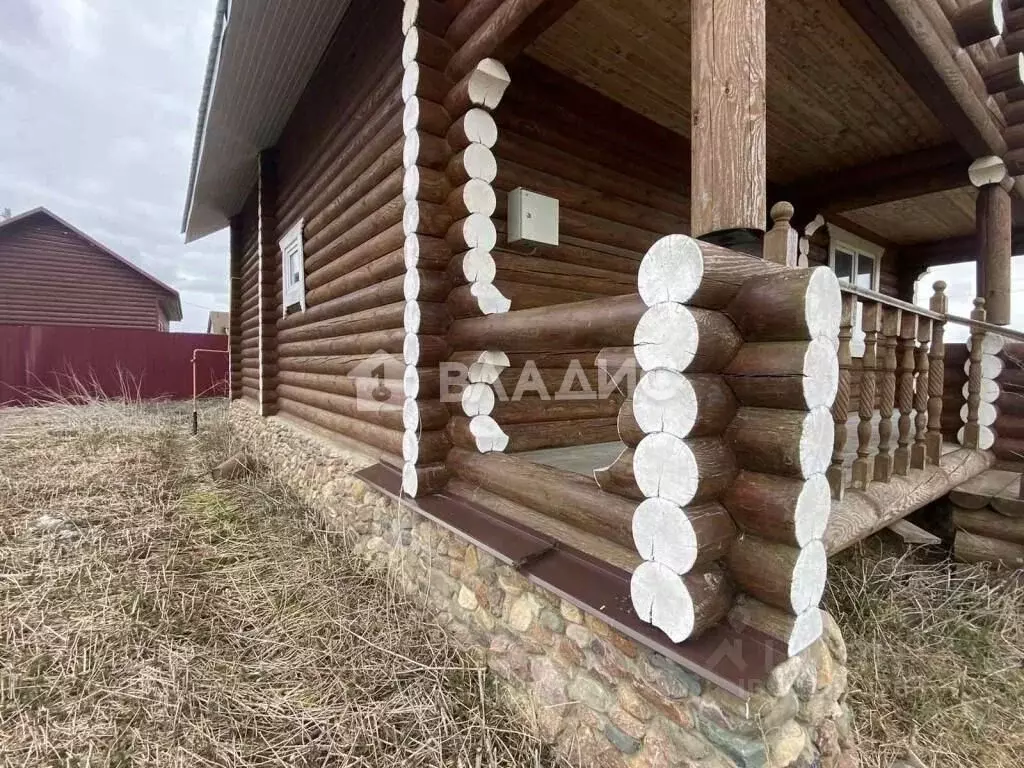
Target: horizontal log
{"points": [[586, 324], [797, 632], [687, 271], [426, 48], [534, 436], [683, 471], [682, 538], [1004, 74], [781, 442], [387, 440], [425, 218], [607, 551], [971, 548], [793, 305], [373, 282], [386, 414], [356, 343], [529, 410], [426, 317], [629, 431], [978, 21], [426, 151], [474, 127], [482, 86], [424, 82], [426, 184], [386, 317], [680, 606], [480, 297], [789, 578], [426, 253], [481, 366], [430, 15], [794, 375], [618, 478], [357, 254], [680, 338], [684, 405], [424, 350], [571, 498], [780, 509], [420, 481], [993, 525]]}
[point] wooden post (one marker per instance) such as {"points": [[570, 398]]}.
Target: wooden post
{"points": [[841, 406], [993, 226], [235, 309], [268, 270], [936, 373], [887, 392], [728, 177], [863, 465], [972, 429]]}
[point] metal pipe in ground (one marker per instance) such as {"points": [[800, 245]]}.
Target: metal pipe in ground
{"points": [[195, 386]]}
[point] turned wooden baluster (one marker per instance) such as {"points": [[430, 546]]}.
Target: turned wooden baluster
{"points": [[871, 321], [972, 431], [841, 405], [886, 392], [918, 453], [905, 391], [936, 373]]}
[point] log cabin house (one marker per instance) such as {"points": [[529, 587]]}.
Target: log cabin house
{"points": [[432, 202]]}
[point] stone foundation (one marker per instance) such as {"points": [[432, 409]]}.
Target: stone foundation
{"points": [[601, 698]]}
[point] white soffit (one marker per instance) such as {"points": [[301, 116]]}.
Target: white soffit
{"points": [[267, 54]]}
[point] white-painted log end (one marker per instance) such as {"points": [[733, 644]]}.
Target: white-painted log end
{"points": [[488, 83], [660, 597], [487, 435], [666, 337], [410, 480], [809, 576], [410, 446], [490, 299], [816, 439], [665, 401], [665, 467], [477, 399], [662, 532], [671, 270], [411, 349], [480, 127], [813, 507], [821, 373], [410, 415], [807, 628]]}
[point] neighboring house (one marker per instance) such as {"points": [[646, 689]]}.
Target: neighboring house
{"points": [[52, 273], [505, 189], [219, 323]]}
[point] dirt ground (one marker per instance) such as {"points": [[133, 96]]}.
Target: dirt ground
{"points": [[149, 616]]}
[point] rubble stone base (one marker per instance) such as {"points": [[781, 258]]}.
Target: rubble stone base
{"points": [[599, 697]]}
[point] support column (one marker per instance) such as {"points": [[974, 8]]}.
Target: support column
{"points": [[268, 272], [994, 231], [235, 310], [728, 195]]}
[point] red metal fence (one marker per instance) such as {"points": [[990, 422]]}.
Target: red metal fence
{"points": [[49, 361]]}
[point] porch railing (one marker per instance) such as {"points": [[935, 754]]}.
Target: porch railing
{"points": [[888, 410]]}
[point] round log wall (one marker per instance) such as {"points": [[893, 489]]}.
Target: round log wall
{"points": [[729, 433]]}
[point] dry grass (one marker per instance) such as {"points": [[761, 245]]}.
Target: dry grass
{"points": [[936, 653], [149, 616]]}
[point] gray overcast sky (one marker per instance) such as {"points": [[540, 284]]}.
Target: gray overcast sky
{"points": [[98, 102]]}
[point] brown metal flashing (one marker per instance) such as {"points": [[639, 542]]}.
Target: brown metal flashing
{"points": [[733, 658]]}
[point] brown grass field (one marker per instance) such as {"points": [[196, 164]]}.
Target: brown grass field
{"points": [[150, 616]]}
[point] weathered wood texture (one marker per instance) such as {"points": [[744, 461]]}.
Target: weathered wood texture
{"points": [[339, 168], [619, 180], [248, 300], [994, 226], [729, 181], [268, 276], [235, 308]]}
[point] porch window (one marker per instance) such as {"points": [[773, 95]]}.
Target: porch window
{"points": [[854, 259], [292, 269]]}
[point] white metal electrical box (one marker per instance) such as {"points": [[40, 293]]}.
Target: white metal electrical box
{"points": [[532, 217]]}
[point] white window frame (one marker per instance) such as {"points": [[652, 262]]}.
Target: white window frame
{"points": [[856, 245], [294, 292]]}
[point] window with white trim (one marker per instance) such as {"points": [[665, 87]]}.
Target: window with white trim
{"points": [[854, 260], [858, 262], [292, 268]]}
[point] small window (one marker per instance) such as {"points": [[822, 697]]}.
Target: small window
{"points": [[292, 268], [854, 259]]}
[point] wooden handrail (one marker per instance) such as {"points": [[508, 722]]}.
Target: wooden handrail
{"points": [[889, 301], [999, 330]]}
